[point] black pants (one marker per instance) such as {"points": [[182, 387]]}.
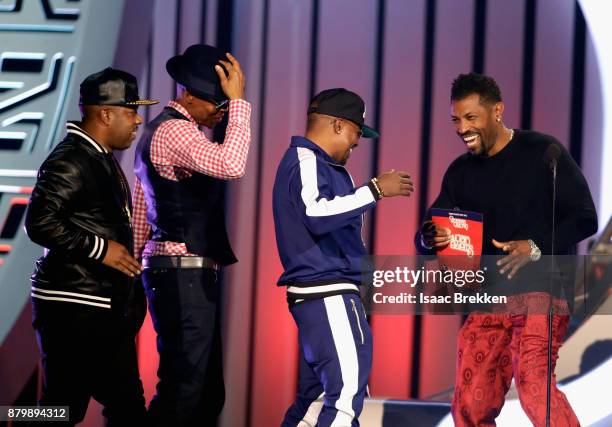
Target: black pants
{"points": [[184, 307], [91, 356]]}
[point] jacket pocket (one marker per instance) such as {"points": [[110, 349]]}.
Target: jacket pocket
{"points": [[358, 320]]}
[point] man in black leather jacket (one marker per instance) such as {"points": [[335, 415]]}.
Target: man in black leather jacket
{"points": [[87, 306]]}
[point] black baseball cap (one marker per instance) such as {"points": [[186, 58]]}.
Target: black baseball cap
{"points": [[343, 104], [112, 87]]}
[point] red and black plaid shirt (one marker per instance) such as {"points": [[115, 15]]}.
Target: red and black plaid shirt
{"points": [[178, 149]]}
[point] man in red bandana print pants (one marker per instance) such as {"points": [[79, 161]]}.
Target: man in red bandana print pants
{"points": [[506, 176], [493, 348]]}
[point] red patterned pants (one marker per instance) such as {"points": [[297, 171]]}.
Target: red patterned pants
{"points": [[493, 348]]}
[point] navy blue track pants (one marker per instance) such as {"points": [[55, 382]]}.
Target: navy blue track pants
{"points": [[335, 345]]}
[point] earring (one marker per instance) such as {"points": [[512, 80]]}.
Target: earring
{"points": [[498, 120]]}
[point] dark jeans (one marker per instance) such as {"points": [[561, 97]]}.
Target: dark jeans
{"points": [[91, 356], [184, 308]]}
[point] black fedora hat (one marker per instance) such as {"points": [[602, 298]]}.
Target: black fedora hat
{"points": [[195, 69]]}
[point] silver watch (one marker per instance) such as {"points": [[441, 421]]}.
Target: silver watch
{"points": [[535, 253]]}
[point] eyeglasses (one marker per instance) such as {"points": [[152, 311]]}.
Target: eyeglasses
{"points": [[359, 128], [219, 105]]}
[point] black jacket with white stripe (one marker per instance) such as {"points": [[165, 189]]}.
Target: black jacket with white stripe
{"points": [[81, 200]]}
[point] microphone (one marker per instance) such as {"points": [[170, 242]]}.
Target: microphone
{"points": [[551, 155]]}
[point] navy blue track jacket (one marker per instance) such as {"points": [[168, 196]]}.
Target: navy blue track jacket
{"points": [[318, 219]]}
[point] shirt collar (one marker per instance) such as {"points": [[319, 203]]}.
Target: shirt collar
{"points": [[178, 107], [75, 129], [300, 141]]}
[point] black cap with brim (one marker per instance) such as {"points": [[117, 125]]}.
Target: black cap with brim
{"points": [[368, 132], [343, 104], [112, 87]]}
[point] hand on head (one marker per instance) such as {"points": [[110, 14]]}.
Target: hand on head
{"points": [[233, 83]]}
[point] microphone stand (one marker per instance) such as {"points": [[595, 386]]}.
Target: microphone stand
{"points": [[553, 165]]}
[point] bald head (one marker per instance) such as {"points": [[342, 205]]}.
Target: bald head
{"points": [[318, 122], [90, 112]]}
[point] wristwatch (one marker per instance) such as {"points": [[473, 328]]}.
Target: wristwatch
{"points": [[535, 253]]}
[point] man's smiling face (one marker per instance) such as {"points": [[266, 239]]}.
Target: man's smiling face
{"points": [[475, 123]]}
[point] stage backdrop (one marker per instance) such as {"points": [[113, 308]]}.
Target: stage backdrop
{"points": [[401, 57]]}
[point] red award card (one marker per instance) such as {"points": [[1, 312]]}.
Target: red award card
{"points": [[466, 237]]}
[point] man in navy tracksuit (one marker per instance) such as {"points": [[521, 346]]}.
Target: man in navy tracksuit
{"points": [[318, 218]]}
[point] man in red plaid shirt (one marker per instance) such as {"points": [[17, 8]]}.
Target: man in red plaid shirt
{"points": [[179, 229]]}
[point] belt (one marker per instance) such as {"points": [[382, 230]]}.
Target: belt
{"points": [[179, 262]]}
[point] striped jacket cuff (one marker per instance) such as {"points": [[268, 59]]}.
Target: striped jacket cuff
{"points": [[98, 248], [375, 193], [70, 297]]}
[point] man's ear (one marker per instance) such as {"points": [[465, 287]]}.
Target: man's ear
{"points": [[105, 116], [498, 109], [187, 96], [338, 126]]}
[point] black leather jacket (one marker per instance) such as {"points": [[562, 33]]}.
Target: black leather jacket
{"points": [[80, 201]]}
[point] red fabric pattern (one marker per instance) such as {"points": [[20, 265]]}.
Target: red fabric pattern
{"points": [[494, 348]]}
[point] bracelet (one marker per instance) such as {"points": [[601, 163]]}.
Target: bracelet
{"points": [[375, 191], [378, 188], [375, 188]]}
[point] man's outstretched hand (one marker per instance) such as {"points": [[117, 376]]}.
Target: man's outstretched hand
{"points": [[395, 183], [519, 252]]}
